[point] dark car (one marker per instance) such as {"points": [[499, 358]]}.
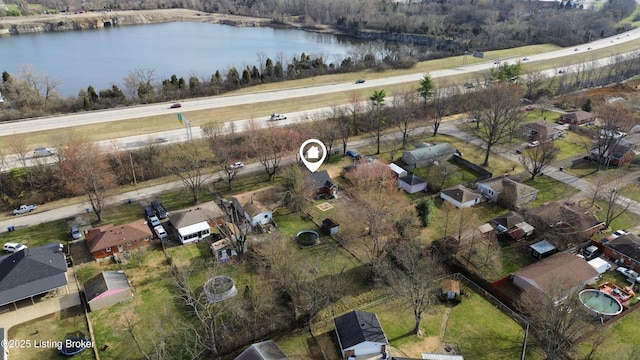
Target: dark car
{"points": [[360, 81], [351, 153], [175, 106], [162, 213], [148, 212]]}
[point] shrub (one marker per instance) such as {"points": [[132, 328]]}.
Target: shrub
{"points": [[425, 209]]}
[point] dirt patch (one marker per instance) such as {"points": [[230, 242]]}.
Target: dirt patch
{"points": [[429, 344]]}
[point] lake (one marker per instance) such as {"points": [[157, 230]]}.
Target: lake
{"points": [[105, 57]]}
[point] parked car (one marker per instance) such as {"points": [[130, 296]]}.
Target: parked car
{"points": [[360, 81], [148, 212], [175, 106], [154, 221], [13, 247], [518, 151], [591, 252], [75, 233], [533, 144], [351, 154], [236, 165], [159, 209], [620, 232], [160, 232], [632, 276]]}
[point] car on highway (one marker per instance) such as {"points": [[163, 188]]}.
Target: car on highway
{"points": [[275, 117], [154, 221], [161, 139], [560, 71], [360, 81], [525, 58], [589, 48], [236, 165], [576, 49], [175, 106], [75, 233], [13, 247]]}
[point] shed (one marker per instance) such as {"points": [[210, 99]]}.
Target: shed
{"points": [[330, 227], [106, 289], [450, 288], [359, 333], [424, 156], [460, 196], [412, 183], [400, 172], [542, 249]]}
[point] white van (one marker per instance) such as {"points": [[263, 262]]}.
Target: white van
{"points": [[43, 151]]}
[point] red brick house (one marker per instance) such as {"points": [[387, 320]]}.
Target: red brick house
{"points": [[577, 117], [624, 249], [110, 239], [621, 154], [542, 131]]}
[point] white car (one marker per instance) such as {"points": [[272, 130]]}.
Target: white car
{"points": [[620, 232], [525, 58], [13, 247], [236, 165], [275, 117], [160, 232]]}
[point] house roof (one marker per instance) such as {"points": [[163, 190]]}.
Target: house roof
{"points": [[31, 272], [451, 285], [266, 350], [256, 202], [543, 127], [431, 152], [461, 194], [557, 213], [508, 220], [542, 247], [110, 235], [578, 115], [551, 272], [191, 217], [105, 281], [628, 244], [357, 327], [412, 179], [498, 184], [319, 180]]}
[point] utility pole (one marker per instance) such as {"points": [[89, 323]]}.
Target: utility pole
{"points": [[187, 124], [133, 170]]}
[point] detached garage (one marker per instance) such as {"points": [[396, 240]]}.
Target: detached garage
{"points": [[106, 289], [412, 183]]}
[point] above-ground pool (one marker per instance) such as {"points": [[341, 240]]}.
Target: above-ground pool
{"points": [[307, 237], [600, 302]]}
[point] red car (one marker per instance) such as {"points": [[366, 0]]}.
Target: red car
{"points": [[175, 106]]}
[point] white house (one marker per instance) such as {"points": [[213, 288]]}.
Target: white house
{"points": [[412, 183], [359, 333], [195, 224], [460, 196]]}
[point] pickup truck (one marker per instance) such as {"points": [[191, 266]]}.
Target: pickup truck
{"points": [[23, 209]]}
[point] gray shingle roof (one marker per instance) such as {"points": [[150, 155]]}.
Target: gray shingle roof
{"points": [[319, 180], [106, 280], [31, 272], [266, 350], [412, 179], [357, 327]]}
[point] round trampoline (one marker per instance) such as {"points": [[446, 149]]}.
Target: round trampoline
{"points": [[220, 288], [600, 302], [307, 237]]}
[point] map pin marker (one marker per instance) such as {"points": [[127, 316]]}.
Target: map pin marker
{"points": [[313, 157]]}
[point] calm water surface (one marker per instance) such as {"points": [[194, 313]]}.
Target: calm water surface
{"points": [[104, 57]]}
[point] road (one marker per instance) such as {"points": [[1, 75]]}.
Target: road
{"points": [[128, 113]]}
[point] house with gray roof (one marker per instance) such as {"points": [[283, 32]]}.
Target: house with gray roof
{"points": [[359, 333], [265, 350], [31, 272], [427, 155], [412, 183], [460, 196], [106, 289], [319, 183]]}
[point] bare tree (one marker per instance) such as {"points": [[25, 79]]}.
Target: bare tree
{"points": [[294, 195], [557, 317], [18, 145], [328, 132], [444, 98], [615, 203], [188, 162], [412, 273], [537, 159], [343, 124], [86, 171], [498, 105], [268, 145], [618, 118], [404, 114]]}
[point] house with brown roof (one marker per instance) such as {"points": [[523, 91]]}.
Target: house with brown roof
{"points": [[577, 117], [512, 225], [542, 131], [565, 219], [256, 206], [624, 249], [460, 196], [619, 155], [507, 191], [557, 274], [112, 239]]}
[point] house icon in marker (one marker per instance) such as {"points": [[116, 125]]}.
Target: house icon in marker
{"points": [[313, 153]]}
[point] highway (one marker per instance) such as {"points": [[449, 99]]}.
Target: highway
{"points": [[127, 113]]}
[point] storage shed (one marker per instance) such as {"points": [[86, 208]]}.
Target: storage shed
{"points": [[106, 289]]}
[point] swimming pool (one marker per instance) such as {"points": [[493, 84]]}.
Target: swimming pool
{"points": [[600, 302]]}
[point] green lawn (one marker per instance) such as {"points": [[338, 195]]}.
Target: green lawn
{"points": [[570, 146], [549, 190], [38, 235], [627, 220], [632, 191], [621, 339]]}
